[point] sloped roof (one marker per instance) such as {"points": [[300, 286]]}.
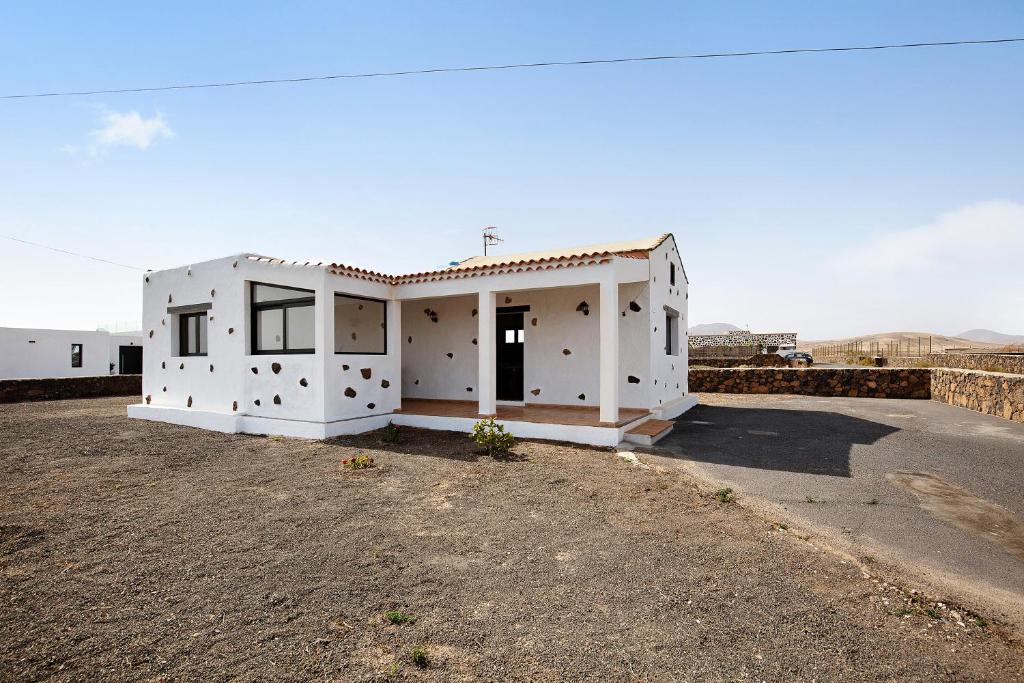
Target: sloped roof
{"points": [[534, 260]]}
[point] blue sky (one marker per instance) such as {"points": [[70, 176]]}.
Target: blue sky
{"points": [[831, 194]]}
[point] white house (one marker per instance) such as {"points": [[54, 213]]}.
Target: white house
{"points": [[34, 353], [585, 344]]}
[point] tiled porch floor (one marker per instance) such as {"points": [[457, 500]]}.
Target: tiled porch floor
{"points": [[583, 416]]}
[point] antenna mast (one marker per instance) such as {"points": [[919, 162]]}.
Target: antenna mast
{"points": [[490, 238]]}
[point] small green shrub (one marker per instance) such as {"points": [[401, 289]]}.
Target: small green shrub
{"points": [[360, 462], [392, 434], [396, 617], [419, 656], [924, 364], [725, 496], [492, 437]]}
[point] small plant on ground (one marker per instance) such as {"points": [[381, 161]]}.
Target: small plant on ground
{"points": [[419, 656], [391, 433], [725, 496], [360, 462], [873, 501], [396, 617], [492, 437]]}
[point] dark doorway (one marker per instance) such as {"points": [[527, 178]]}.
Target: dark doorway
{"points": [[511, 338], [129, 360]]}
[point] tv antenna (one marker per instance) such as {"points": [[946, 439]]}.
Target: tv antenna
{"points": [[490, 238]]}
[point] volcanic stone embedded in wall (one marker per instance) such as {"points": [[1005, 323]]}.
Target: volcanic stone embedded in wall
{"points": [[450, 354], [566, 352], [384, 384], [350, 392], [634, 306], [632, 379], [583, 307], [535, 392], [344, 367], [255, 370], [277, 400], [366, 372], [371, 406], [234, 406], [257, 402], [303, 382], [189, 402], [275, 368], [582, 397]]}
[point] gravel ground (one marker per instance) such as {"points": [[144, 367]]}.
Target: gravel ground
{"points": [[144, 551]]}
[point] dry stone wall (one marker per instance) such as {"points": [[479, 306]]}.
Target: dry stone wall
{"points": [[855, 383], [993, 393], [54, 388]]}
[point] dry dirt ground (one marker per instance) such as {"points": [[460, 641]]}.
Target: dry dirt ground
{"points": [[144, 551]]}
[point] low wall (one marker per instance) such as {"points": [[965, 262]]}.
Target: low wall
{"points": [[54, 388], [761, 360], [989, 362], [992, 393], [856, 383]]}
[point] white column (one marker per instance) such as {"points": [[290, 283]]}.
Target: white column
{"points": [[488, 357], [395, 348], [324, 331], [609, 340]]}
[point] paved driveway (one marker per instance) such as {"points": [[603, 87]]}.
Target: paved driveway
{"points": [[913, 482]]}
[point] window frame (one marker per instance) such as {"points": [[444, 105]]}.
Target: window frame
{"points": [[183, 334], [364, 298], [81, 354], [672, 274], [671, 340], [283, 305]]}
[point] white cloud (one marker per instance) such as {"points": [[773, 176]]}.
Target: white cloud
{"points": [[975, 234], [128, 129]]}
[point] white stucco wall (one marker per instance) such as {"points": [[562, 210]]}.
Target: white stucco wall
{"points": [[230, 379], [31, 353], [668, 381], [552, 325]]}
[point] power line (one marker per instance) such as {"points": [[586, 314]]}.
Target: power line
{"points": [[71, 253], [499, 67]]}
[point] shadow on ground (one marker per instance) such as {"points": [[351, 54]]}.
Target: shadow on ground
{"points": [[807, 441]]}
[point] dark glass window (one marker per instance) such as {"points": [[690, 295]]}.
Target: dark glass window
{"points": [[672, 274], [283, 319], [360, 325], [671, 334], [192, 334], [76, 355]]}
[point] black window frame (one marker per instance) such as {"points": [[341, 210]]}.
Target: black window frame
{"points": [[282, 304], [376, 301], [672, 274], [81, 354], [183, 334]]}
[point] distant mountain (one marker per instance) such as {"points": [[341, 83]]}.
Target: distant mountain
{"points": [[992, 337], [713, 328]]}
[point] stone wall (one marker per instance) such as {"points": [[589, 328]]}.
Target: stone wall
{"points": [[760, 360], [857, 382], [989, 362], [53, 388], [992, 393]]}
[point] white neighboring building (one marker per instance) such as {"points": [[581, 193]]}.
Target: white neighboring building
{"points": [[34, 353], [583, 344]]}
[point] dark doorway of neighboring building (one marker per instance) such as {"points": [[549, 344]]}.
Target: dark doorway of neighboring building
{"points": [[129, 360], [511, 339]]}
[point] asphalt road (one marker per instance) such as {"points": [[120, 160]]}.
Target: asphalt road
{"points": [[920, 484]]}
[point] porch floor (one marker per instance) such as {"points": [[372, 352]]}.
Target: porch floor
{"points": [[582, 416]]}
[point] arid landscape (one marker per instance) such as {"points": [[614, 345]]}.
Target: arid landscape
{"points": [[132, 550]]}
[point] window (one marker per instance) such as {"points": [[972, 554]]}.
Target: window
{"points": [[76, 355], [192, 334], [671, 334], [672, 274], [282, 319], [360, 325]]}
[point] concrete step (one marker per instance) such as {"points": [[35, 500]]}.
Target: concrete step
{"points": [[649, 432]]}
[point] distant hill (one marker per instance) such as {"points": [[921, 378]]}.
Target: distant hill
{"points": [[713, 328], [907, 340], [991, 337]]}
